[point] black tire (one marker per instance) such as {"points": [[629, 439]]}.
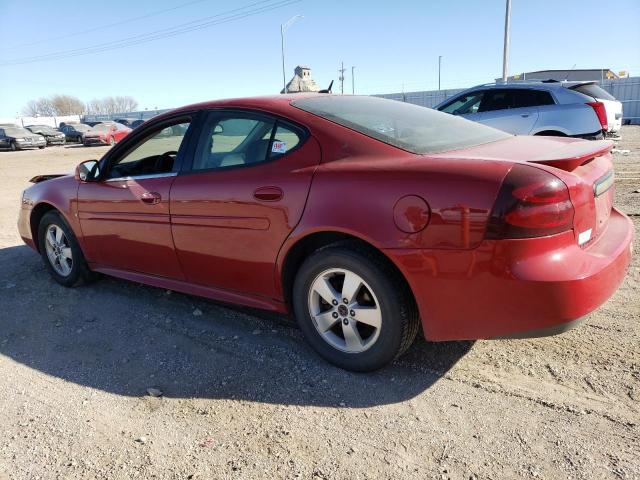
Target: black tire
{"points": [[41, 148], [13, 146], [400, 321], [80, 272]]}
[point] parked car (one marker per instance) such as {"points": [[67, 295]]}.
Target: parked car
{"points": [[51, 135], [362, 216], [572, 109], [105, 134], [18, 138], [74, 132], [136, 123]]}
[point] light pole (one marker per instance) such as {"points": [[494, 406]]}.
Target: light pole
{"points": [[283, 28], [505, 53], [353, 82], [439, 68]]}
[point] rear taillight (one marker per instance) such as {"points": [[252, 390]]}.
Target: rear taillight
{"points": [[530, 203], [601, 113]]}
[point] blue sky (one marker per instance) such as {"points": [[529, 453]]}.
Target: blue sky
{"points": [[394, 45]]}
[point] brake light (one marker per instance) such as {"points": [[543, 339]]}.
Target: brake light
{"points": [[601, 113], [530, 203]]}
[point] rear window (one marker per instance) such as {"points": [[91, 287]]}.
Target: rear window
{"points": [[594, 91], [403, 125]]}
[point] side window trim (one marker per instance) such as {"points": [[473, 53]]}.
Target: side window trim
{"points": [[202, 122]]}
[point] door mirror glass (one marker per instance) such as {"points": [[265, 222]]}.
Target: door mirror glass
{"points": [[218, 129], [88, 171]]}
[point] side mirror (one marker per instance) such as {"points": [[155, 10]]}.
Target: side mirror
{"points": [[88, 171], [218, 129]]}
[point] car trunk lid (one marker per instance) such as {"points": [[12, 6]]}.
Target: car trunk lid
{"points": [[586, 168]]}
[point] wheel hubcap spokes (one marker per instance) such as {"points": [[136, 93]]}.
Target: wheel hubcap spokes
{"points": [[345, 311], [58, 250]]}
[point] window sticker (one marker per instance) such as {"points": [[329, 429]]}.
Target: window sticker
{"points": [[279, 147]]}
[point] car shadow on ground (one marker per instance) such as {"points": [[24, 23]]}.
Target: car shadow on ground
{"points": [[123, 338]]}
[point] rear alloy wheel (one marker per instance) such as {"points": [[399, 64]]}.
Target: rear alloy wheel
{"points": [[353, 307], [61, 252], [13, 146]]}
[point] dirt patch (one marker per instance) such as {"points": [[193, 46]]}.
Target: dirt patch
{"points": [[239, 395]]}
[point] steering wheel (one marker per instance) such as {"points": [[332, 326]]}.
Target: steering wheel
{"points": [[167, 158]]}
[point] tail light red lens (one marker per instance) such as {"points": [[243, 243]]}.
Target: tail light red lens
{"points": [[601, 113], [531, 203]]}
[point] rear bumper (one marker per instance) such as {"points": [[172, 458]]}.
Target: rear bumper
{"points": [[516, 288]]}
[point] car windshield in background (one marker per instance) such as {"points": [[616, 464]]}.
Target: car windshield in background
{"points": [[593, 90], [17, 132], [101, 127], [403, 125]]}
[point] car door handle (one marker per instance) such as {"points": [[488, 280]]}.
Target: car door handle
{"points": [[268, 194], [152, 198], [524, 115]]}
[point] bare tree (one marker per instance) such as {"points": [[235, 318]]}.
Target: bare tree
{"points": [[42, 107], [67, 105], [57, 105], [111, 105]]}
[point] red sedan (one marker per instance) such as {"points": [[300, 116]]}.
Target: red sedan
{"points": [[105, 134], [365, 218]]}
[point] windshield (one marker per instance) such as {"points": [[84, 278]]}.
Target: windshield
{"points": [[594, 91], [17, 132], [41, 128], [403, 125], [101, 127], [80, 127]]}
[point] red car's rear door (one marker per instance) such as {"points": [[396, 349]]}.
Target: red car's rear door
{"points": [[125, 217], [246, 189]]}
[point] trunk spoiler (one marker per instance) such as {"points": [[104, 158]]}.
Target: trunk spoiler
{"points": [[42, 178], [572, 155]]}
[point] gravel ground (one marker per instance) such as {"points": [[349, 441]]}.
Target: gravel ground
{"points": [[242, 396]]}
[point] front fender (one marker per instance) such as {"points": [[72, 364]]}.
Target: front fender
{"points": [[60, 194]]}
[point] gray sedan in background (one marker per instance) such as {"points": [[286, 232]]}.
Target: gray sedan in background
{"points": [[573, 109]]}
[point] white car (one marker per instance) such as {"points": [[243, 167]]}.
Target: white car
{"points": [[571, 109]]}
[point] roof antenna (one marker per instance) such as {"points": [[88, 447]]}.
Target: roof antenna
{"points": [[328, 90], [569, 73]]}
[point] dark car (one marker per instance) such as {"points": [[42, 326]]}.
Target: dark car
{"points": [[125, 121], [18, 138], [51, 135], [74, 132], [136, 123]]}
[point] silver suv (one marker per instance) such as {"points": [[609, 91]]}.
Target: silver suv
{"points": [[574, 109]]}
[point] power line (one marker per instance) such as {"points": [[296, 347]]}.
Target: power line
{"points": [[218, 19], [102, 27]]}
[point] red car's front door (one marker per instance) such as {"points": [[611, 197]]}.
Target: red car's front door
{"points": [[244, 193], [125, 217]]}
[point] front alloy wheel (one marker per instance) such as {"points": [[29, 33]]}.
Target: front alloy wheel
{"points": [[58, 250]]}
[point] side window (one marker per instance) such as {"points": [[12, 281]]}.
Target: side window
{"points": [[532, 98], [155, 154], [465, 104], [284, 140], [496, 100], [242, 139]]}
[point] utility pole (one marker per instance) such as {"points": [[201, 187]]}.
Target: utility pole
{"points": [[353, 82], [505, 53], [439, 68], [341, 77]]}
